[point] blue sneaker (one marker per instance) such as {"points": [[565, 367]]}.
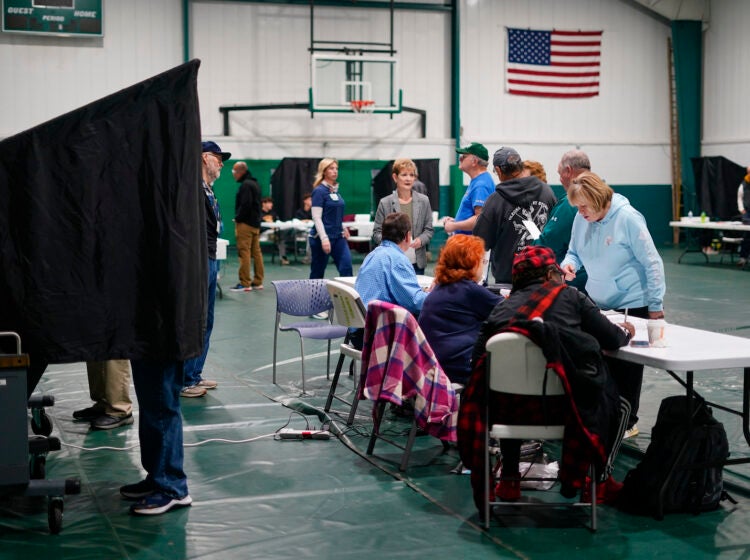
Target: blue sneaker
{"points": [[241, 288], [158, 503]]}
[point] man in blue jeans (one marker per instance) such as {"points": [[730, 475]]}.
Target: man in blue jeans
{"points": [[160, 435], [213, 160], [159, 385]]}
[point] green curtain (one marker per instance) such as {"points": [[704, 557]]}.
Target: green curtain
{"points": [[687, 44]]}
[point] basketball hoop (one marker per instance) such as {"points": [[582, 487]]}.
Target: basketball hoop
{"points": [[362, 105]]}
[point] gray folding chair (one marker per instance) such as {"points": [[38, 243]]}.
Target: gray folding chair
{"points": [[349, 312], [516, 365]]}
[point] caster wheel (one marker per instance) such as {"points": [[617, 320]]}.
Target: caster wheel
{"points": [[55, 515], [37, 469], [41, 424]]}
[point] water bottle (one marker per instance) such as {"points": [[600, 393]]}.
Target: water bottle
{"points": [[690, 214], [703, 217]]}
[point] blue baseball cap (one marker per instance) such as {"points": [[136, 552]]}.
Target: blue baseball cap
{"points": [[213, 147]]}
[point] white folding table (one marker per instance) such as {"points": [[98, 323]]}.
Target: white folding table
{"points": [[693, 350], [688, 224]]}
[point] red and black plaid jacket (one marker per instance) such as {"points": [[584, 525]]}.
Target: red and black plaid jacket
{"points": [[581, 445]]}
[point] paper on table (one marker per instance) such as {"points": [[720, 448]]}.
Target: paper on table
{"points": [[532, 229]]}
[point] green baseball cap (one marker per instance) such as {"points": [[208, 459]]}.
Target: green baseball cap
{"points": [[475, 149]]}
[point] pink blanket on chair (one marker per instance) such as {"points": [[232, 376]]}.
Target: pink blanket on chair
{"points": [[398, 363]]}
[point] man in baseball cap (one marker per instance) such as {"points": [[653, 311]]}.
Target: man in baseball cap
{"points": [[475, 149], [212, 158], [514, 213], [213, 147], [472, 160]]}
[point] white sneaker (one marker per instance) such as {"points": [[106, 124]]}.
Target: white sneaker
{"points": [[323, 315], [632, 432]]}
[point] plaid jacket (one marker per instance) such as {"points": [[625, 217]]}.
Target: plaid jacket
{"points": [[398, 363], [581, 445]]}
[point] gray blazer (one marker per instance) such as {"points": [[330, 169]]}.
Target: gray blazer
{"points": [[421, 226]]}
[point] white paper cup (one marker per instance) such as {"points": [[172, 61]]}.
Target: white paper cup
{"points": [[657, 330]]}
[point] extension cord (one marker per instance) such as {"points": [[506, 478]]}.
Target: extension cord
{"points": [[290, 433]]}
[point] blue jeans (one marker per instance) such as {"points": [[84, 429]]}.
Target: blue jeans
{"points": [[157, 387], [340, 253], [194, 366]]}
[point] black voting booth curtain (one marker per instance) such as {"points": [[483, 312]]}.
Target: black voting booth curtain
{"points": [[291, 180], [102, 231], [716, 182], [429, 174]]}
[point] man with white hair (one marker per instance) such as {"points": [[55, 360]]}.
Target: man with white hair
{"points": [[556, 234]]}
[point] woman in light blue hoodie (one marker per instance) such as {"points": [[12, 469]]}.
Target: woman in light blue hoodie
{"points": [[611, 240]]}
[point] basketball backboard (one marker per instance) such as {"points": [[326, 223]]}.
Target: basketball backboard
{"points": [[343, 83]]}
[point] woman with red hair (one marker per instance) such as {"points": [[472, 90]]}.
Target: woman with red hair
{"points": [[457, 306]]}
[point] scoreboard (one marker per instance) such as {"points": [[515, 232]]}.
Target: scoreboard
{"points": [[53, 17]]}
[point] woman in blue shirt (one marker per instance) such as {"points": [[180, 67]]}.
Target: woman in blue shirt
{"points": [[611, 240], [328, 237], [455, 309]]}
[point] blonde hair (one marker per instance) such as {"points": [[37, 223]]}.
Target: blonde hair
{"points": [[324, 164], [404, 164], [460, 258], [536, 169], [589, 187]]}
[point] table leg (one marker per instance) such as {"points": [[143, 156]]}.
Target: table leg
{"points": [[691, 245]]}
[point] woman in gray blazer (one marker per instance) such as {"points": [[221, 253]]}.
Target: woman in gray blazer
{"points": [[416, 205]]}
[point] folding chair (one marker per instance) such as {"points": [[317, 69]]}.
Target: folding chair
{"points": [[398, 363], [729, 246], [304, 298], [517, 366], [349, 312]]}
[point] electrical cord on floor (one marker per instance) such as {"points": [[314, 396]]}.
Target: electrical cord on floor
{"points": [[195, 444], [135, 445]]}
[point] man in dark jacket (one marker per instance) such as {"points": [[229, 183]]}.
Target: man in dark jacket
{"points": [[514, 214], [247, 228]]}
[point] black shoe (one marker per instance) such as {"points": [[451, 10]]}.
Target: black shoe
{"points": [[107, 421], [138, 490], [88, 414]]}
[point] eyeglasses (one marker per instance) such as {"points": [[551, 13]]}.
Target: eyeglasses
{"points": [[217, 156], [463, 157]]}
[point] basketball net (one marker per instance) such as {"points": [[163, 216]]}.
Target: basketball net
{"points": [[362, 105]]}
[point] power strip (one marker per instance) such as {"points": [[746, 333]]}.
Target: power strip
{"points": [[290, 433]]}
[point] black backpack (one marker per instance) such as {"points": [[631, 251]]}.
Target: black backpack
{"points": [[676, 443]]}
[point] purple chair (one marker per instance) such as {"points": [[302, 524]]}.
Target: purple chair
{"points": [[304, 298]]}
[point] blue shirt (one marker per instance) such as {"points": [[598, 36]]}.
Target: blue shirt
{"points": [[386, 274], [479, 189], [624, 267], [451, 318], [333, 205]]}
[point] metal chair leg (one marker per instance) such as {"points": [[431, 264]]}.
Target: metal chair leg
{"points": [[409, 443], [275, 336], [379, 412], [302, 354], [355, 402], [334, 383]]}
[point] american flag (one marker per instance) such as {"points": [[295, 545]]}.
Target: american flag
{"points": [[553, 63]]}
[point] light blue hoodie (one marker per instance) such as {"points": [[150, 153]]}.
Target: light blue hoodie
{"points": [[625, 270]]}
